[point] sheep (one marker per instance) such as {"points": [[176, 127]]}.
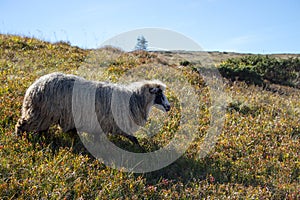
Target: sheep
{"points": [[119, 108]]}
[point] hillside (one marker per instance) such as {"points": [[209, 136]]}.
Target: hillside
{"points": [[256, 155]]}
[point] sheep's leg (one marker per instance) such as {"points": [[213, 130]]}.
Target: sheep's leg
{"points": [[25, 126], [72, 132], [134, 140], [21, 127]]}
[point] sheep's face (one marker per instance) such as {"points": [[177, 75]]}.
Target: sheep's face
{"points": [[160, 100]]}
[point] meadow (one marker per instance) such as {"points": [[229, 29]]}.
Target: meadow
{"points": [[256, 156]]}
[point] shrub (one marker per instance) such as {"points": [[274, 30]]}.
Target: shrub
{"points": [[257, 68], [185, 63]]}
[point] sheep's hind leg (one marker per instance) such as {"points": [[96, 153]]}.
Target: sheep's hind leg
{"points": [[19, 128], [23, 126]]}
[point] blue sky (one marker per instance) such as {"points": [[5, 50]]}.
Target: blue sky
{"points": [[255, 26]]}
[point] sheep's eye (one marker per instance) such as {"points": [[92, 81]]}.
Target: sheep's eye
{"points": [[155, 90]]}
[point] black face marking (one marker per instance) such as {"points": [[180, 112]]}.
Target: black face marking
{"points": [[159, 98]]}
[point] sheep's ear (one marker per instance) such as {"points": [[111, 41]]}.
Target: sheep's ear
{"points": [[154, 90]]}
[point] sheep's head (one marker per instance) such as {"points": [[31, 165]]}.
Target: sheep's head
{"points": [[147, 94], [156, 96], [160, 100]]}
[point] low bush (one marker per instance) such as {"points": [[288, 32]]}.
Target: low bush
{"points": [[256, 69]]}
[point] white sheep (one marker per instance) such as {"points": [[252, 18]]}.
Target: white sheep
{"points": [[119, 108]]}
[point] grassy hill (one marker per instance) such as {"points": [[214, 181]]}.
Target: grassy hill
{"points": [[256, 155]]}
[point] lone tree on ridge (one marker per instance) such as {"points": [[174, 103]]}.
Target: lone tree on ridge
{"points": [[141, 44]]}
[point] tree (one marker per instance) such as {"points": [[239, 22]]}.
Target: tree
{"points": [[141, 44]]}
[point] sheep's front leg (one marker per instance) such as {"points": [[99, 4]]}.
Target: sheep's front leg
{"points": [[133, 139]]}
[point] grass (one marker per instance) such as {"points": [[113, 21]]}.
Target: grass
{"points": [[255, 157]]}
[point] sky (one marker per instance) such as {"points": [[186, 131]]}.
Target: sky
{"points": [[245, 26]]}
